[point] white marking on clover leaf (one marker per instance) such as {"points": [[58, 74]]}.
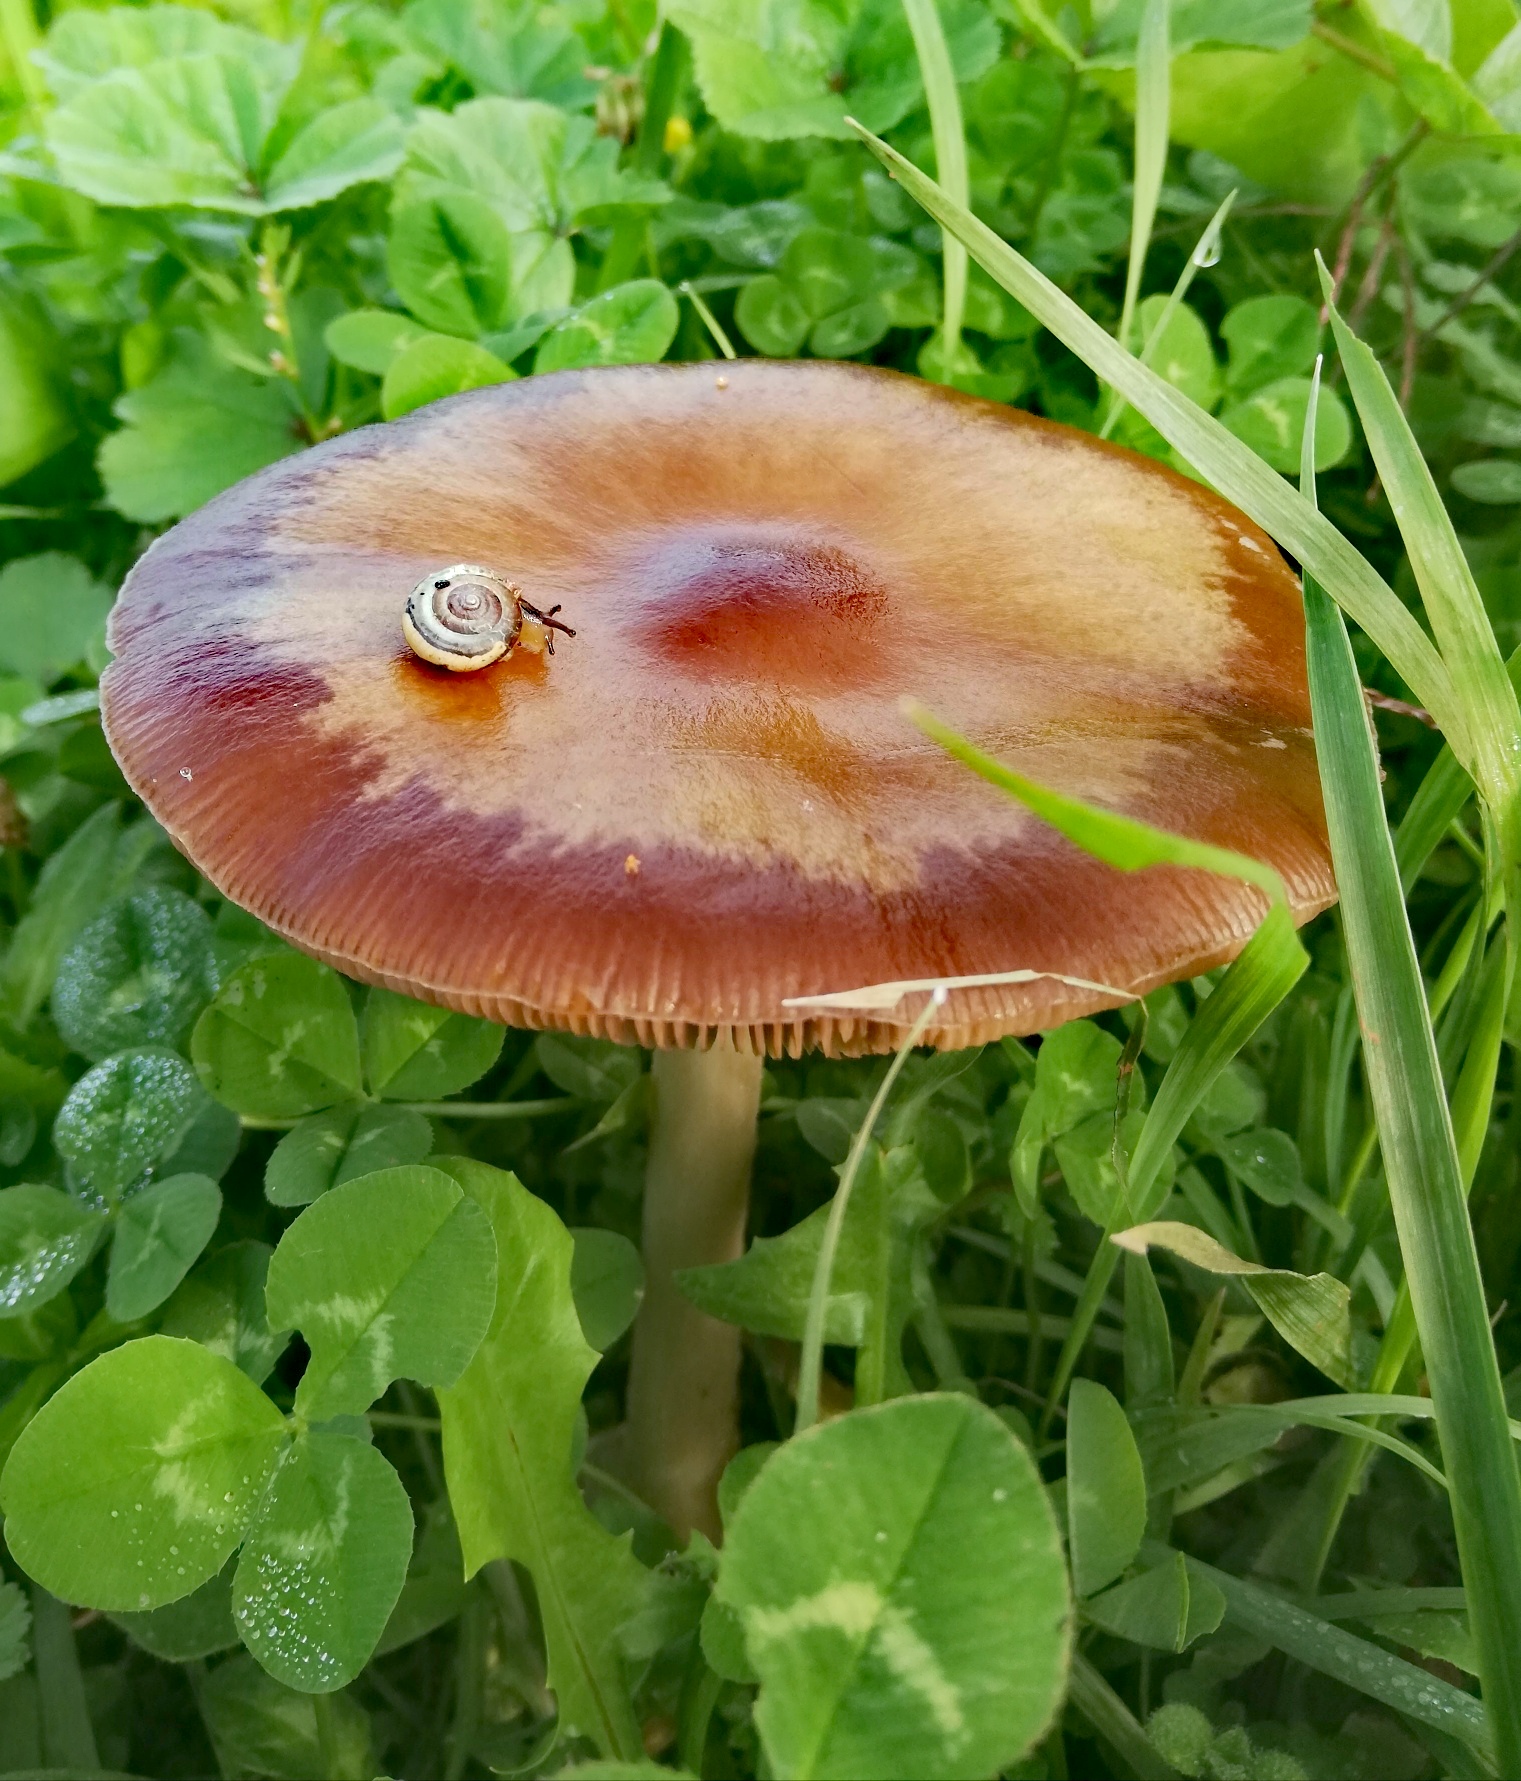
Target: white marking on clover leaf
{"points": [[859, 1612], [915, 1665], [290, 1037], [336, 1525], [377, 1341], [339, 1311], [184, 1478], [850, 1609]]}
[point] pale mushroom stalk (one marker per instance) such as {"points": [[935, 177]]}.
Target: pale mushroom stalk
{"points": [[683, 1388]]}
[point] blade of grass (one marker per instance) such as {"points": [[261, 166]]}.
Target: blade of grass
{"points": [[1458, 1762], [811, 1361], [1455, 967], [1422, 1166], [1239, 474], [706, 316], [1467, 640], [489, 1109], [1274, 955], [663, 78], [1446, 782], [1153, 104], [1268, 967], [1450, 594], [1313, 1413], [68, 1737], [939, 76], [1440, 799], [1310, 1312], [1371, 1604], [1473, 1093], [1206, 251], [1119, 841], [1115, 1723], [1035, 17], [1360, 1664]]}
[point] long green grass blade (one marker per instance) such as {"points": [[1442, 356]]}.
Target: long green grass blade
{"points": [[1153, 104], [1270, 964], [1452, 599], [1440, 799], [1473, 1093], [1115, 1723], [1264, 1423], [1206, 247], [68, 1736], [1118, 841], [1035, 16], [1268, 967], [811, 1360], [944, 101], [1357, 1662], [1374, 1403], [1232, 466], [1425, 1175]]}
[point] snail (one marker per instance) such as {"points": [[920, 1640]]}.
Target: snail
{"points": [[464, 617]]}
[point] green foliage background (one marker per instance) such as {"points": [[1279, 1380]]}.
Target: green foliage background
{"points": [[228, 234]]}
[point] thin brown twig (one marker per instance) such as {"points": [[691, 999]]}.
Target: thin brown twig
{"points": [[1366, 186], [1411, 341], [1344, 252], [1355, 51], [1368, 285], [1399, 707], [1459, 303], [1379, 169], [1409, 353]]}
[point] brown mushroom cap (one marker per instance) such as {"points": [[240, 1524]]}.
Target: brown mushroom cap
{"points": [[710, 801]]}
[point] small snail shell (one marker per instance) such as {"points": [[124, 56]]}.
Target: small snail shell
{"points": [[462, 618]]}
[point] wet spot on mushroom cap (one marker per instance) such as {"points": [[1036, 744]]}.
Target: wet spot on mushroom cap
{"points": [[461, 701], [763, 603], [755, 587]]}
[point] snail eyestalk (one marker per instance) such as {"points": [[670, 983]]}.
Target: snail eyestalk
{"points": [[539, 628]]}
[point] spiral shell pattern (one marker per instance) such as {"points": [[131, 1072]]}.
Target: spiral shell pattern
{"points": [[462, 618]]}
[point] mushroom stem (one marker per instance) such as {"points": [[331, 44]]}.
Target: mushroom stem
{"points": [[683, 1388]]}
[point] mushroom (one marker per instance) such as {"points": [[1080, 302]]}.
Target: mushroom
{"points": [[709, 804]]}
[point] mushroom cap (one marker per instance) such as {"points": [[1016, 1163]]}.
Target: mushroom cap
{"points": [[710, 802]]}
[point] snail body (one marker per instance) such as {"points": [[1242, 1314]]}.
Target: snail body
{"points": [[465, 617]]}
